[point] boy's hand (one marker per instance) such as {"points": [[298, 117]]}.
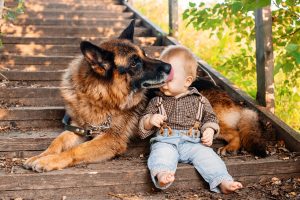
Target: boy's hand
{"points": [[157, 120], [208, 136]]}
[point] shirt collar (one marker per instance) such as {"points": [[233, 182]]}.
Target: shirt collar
{"points": [[191, 91]]}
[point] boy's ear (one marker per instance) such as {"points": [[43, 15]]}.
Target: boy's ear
{"points": [[188, 81], [128, 32], [95, 56]]}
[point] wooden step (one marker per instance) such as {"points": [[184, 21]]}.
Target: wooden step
{"points": [[113, 23], [59, 50], [25, 125], [75, 15], [27, 92], [126, 175], [18, 118], [32, 67], [46, 6], [31, 113], [10, 39], [26, 144], [32, 76], [6, 60], [33, 101], [76, 2], [85, 31], [9, 61]]}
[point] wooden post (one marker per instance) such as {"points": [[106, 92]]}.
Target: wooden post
{"points": [[173, 17], [264, 58], [1, 8]]}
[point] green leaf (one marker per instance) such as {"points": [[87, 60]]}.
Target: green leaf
{"points": [[291, 47], [277, 68], [191, 4], [235, 7], [185, 14], [287, 67], [296, 55]]}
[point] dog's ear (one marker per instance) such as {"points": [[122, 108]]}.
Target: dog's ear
{"points": [[95, 56], [128, 32]]}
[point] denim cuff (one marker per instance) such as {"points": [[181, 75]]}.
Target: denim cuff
{"points": [[154, 172], [213, 185]]}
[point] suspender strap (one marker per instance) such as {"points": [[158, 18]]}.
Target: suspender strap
{"points": [[162, 111], [196, 127], [160, 106], [200, 110]]}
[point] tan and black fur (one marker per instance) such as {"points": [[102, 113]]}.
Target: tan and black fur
{"points": [[107, 80], [111, 80], [239, 126]]}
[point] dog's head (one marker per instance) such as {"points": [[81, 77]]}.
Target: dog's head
{"points": [[121, 58]]}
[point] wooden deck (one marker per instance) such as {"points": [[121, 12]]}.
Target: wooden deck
{"points": [[37, 50]]}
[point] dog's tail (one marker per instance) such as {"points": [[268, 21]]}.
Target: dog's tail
{"points": [[251, 133]]}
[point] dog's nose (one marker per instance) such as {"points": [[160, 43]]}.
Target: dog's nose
{"points": [[166, 67]]}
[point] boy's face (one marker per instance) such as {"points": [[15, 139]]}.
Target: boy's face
{"points": [[180, 82]]}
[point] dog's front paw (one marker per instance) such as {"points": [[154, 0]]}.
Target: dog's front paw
{"points": [[28, 163], [49, 163], [222, 151]]}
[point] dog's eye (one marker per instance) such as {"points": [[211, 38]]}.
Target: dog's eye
{"points": [[135, 61]]}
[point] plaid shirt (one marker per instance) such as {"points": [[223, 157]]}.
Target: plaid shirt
{"points": [[181, 113]]}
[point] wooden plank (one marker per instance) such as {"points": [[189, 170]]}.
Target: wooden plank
{"points": [[38, 60], [47, 6], [132, 171], [31, 113], [69, 1], [26, 125], [145, 190], [39, 140], [37, 102], [32, 76], [9, 61], [264, 58], [76, 15], [51, 92], [115, 23], [86, 31], [34, 67], [143, 41]]}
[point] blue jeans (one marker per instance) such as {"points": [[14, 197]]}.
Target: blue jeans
{"points": [[167, 151]]}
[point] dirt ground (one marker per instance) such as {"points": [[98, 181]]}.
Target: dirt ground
{"points": [[268, 189]]}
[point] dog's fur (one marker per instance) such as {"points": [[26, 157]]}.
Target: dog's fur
{"points": [[239, 126], [108, 80], [111, 80]]}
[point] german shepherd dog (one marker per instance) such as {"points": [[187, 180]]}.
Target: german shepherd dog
{"points": [[104, 91], [105, 86]]}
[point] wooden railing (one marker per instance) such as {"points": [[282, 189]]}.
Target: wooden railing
{"points": [[264, 52]]}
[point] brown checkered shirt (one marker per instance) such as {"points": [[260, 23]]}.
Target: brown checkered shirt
{"points": [[181, 113]]}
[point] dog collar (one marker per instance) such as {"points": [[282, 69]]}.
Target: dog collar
{"points": [[91, 131]]}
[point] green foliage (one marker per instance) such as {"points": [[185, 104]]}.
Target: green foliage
{"points": [[10, 14], [236, 18]]}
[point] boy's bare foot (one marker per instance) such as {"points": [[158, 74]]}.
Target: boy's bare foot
{"points": [[165, 178], [230, 186]]}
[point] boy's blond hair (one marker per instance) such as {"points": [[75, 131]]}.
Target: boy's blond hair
{"points": [[190, 61]]}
